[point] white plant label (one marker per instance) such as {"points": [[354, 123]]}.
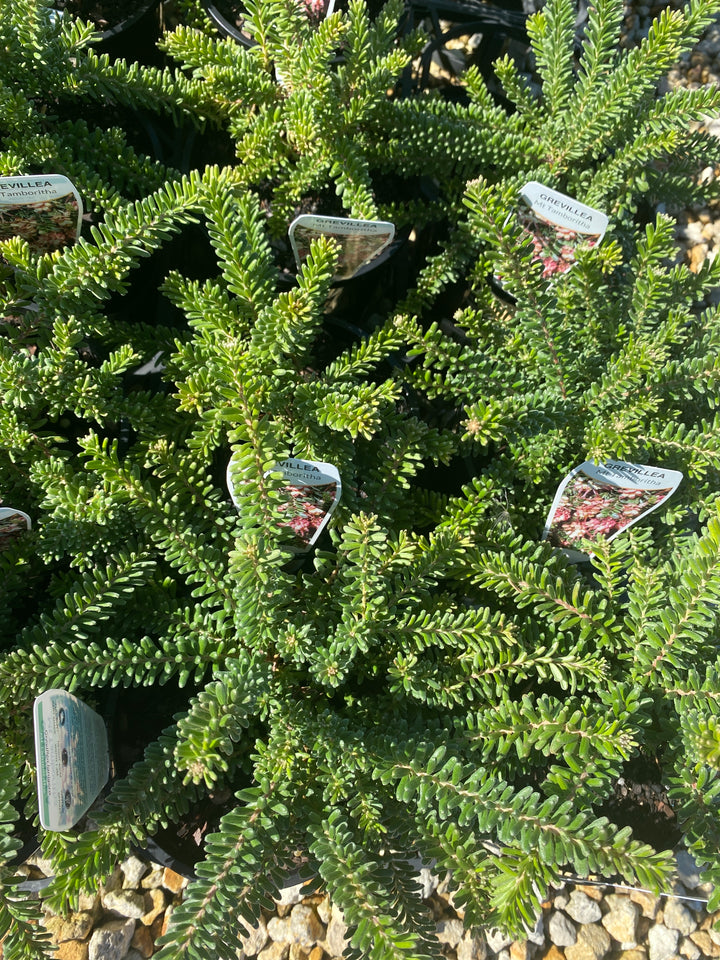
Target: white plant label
{"points": [[309, 495], [558, 224], [360, 240], [45, 209], [13, 523], [71, 753], [604, 499], [317, 10]]}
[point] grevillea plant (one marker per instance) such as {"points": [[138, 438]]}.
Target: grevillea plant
{"points": [[311, 120], [432, 679]]}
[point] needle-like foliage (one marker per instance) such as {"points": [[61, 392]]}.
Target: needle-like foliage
{"points": [[431, 680]]}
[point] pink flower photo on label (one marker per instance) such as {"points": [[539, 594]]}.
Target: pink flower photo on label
{"points": [[305, 508], [554, 246], [589, 509], [316, 10]]}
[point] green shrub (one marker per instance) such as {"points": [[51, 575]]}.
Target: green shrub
{"points": [[310, 117], [432, 679]]}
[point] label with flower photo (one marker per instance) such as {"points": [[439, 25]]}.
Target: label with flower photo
{"points": [[309, 497], [44, 209], [72, 758], [317, 10], [13, 524], [360, 240], [604, 499], [558, 224]]}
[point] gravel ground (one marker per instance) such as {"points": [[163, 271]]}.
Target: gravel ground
{"points": [[581, 921], [698, 227]]}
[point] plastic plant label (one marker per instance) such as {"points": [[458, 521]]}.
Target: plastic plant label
{"points": [[71, 753], [13, 523], [44, 209], [603, 500], [558, 224], [309, 496], [360, 240], [317, 10]]}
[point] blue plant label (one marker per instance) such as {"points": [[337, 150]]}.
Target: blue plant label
{"points": [[44, 209], [360, 241], [309, 494], [13, 523], [558, 224], [602, 500], [72, 758]]}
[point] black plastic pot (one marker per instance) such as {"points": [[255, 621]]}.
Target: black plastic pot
{"points": [[134, 38], [234, 31], [228, 29], [496, 24]]}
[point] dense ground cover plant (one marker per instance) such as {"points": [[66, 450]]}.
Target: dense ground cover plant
{"points": [[57, 93], [399, 690], [314, 126]]}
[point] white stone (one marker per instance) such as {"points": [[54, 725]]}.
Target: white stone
{"points": [[707, 889], [124, 903], [449, 931], [472, 947], [648, 903], [676, 916], [290, 895], [428, 882], [593, 943], [335, 935], [706, 176], [561, 930], [621, 920], [255, 940], [689, 950], [278, 929], [497, 940], [154, 879], [111, 940], [561, 900], [693, 232], [305, 927], [44, 866], [582, 909], [274, 951], [537, 934], [133, 870], [113, 882], [443, 887], [324, 909], [662, 942]]}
